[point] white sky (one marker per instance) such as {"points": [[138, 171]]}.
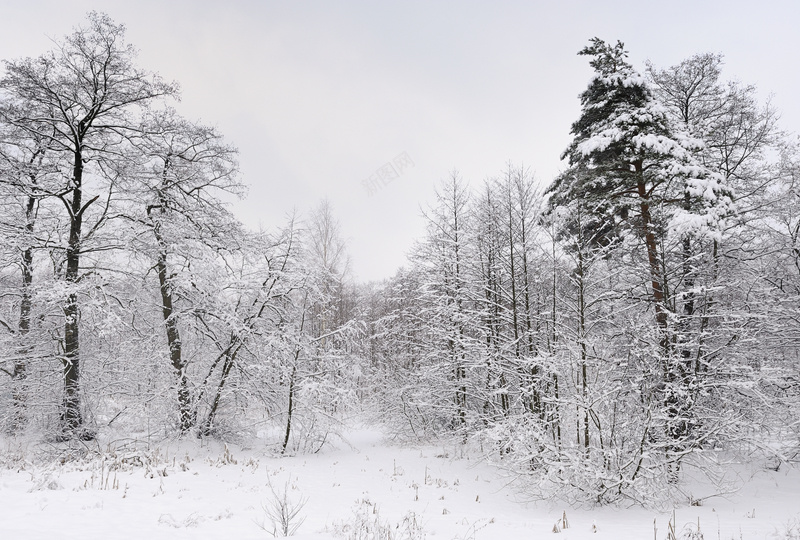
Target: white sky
{"points": [[319, 95]]}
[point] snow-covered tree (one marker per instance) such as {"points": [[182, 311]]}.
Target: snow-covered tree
{"points": [[26, 179], [82, 98], [174, 195], [636, 171], [445, 256]]}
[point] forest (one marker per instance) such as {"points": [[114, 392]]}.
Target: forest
{"points": [[597, 334]]}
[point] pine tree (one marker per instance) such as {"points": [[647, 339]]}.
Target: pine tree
{"points": [[635, 172]]}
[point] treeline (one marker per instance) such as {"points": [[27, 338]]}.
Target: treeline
{"points": [[131, 298], [637, 316]]}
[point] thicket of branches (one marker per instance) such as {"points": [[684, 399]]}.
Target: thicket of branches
{"points": [[132, 300], [635, 318]]}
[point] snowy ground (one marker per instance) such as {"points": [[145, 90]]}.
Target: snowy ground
{"points": [[421, 492]]}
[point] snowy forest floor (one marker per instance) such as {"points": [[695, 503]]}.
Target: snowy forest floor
{"points": [[363, 488]]}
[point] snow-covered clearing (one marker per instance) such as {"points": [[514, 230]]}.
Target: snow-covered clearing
{"points": [[183, 490]]}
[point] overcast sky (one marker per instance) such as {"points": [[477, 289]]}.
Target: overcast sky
{"points": [[319, 96]]}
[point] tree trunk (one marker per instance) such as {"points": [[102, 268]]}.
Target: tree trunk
{"points": [[26, 303], [553, 338], [291, 404], [174, 341], [71, 417], [460, 370], [652, 257], [229, 359], [535, 400], [584, 387], [187, 418], [674, 402]]}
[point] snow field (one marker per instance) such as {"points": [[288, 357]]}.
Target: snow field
{"points": [[183, 490]]}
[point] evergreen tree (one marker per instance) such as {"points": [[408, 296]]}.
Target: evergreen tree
{"points": [[634, 171]]}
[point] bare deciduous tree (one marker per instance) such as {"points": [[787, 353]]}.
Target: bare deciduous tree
{"points": [[81, 99]]}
